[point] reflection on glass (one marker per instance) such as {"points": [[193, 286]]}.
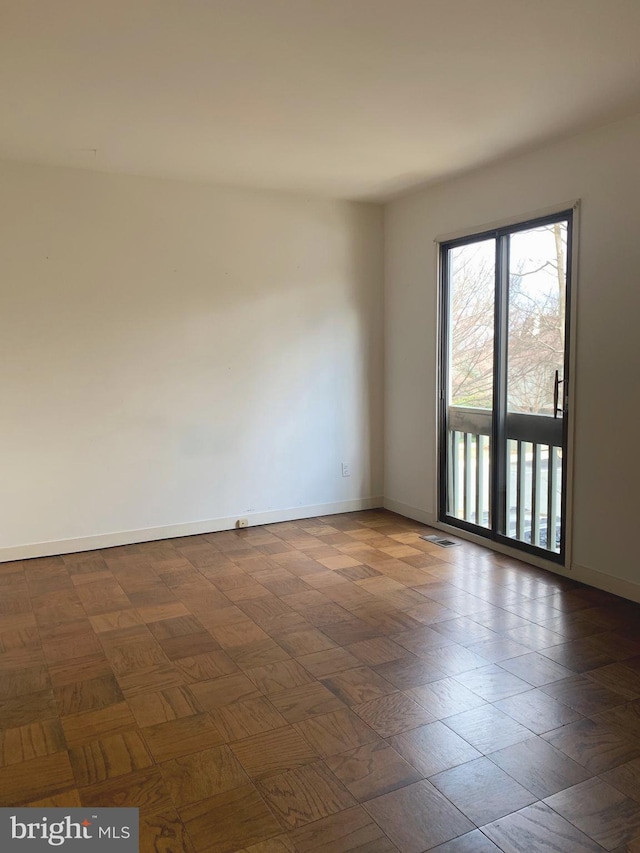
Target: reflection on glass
{"points": [[472, 295], [537, 282]]}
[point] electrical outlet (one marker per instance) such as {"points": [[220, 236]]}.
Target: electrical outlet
{"points": [[346, 469], [242, 522]]}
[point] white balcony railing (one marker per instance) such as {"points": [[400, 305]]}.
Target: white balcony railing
{"points": [[533, 475]]}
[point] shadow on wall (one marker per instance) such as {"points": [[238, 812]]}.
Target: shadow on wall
{"points": [[175, 353]]}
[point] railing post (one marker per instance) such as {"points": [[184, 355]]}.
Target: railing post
{"points": [[520, 486], [509, 487], [455, 464], [467, 476], [535, 496], [480, 479], [552, 499]]}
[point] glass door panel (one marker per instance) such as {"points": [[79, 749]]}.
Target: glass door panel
{"points": [[469, 398], [535, 358], [537, 299]]}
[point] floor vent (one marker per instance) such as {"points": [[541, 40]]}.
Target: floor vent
{"points": [[437, 540]]}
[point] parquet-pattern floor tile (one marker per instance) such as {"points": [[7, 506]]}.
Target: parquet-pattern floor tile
{"points": [[372, 770], [600, 811], [482, 791], [538, 827], [202, 774], [348, 831], [433, 748], [305, 794], [539, 767], [393, 714], [329, 685], [274, 752], [417, 817]]}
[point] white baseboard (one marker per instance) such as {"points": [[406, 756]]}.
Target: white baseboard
{"points": [[409, 511], [600, 580], [191, 528], [608, 583]]}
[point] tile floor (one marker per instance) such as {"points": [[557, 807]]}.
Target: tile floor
{"points": [[334, 684]]}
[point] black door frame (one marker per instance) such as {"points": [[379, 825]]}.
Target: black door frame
{"points": [[497, 485]]}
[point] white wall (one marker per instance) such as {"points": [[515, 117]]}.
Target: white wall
{"points": [[174, 353], [601, 168]]}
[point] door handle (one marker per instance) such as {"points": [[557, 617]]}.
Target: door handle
{"points": [[556, 394]]}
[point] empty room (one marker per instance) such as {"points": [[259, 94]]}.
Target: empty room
{"points": [[316, 535]]}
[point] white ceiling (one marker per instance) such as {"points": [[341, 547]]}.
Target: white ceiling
{"points": [[351, 98]]}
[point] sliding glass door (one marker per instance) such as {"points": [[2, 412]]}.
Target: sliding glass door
{"points": [[504, 384]]}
